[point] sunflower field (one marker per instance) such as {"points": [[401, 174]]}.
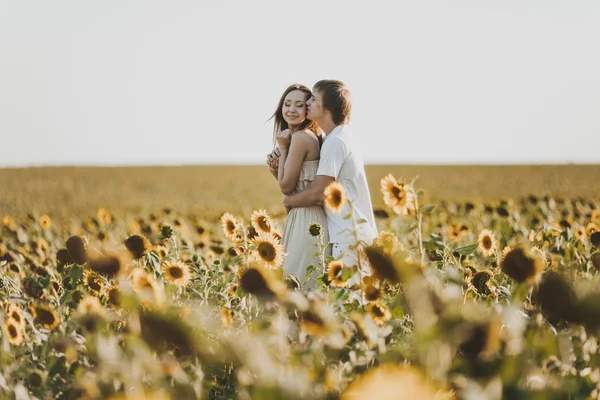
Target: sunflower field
{"points": [[456, 300]]}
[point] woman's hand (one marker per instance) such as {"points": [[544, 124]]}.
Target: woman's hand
{"points": [[284, 138], [273, 160]]}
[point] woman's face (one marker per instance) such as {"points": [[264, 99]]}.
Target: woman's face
{"points": [[294, 108]]}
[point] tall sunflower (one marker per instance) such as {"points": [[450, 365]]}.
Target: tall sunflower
{"points": [[176, 272], [261, 221], [229, 224], [335, 197], [487, 243], [268, 250], [396, 196]]}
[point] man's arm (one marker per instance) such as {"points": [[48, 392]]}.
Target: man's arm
{"points": [[312, 195]]}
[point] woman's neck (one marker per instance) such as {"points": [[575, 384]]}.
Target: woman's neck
{"points": [[294, 128]]}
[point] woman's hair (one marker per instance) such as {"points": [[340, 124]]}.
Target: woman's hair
{"points": [[280, 123]]}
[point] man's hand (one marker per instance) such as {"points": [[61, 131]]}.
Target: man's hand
{"points": [[284, 138]]}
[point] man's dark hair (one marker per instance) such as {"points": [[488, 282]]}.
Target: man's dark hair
{"points": [[336, 99]]}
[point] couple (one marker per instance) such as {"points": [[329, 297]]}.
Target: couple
{"points": [[315, 148]]}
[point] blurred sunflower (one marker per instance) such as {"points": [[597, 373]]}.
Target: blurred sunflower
{"points": [[393, 381], [396, 196], [45, 222], [137, 245], [261, 282], [103, 216], [379, 312], [580, 233], [113, 296], [480, 280], [371, 293], [522, 266], [268, 250], [334, 274], [176, 272], [487, 243], [151, 293], [261, 221], [90, 305], [93, 282], [109, 266], [229, 224], [591, 228], [45, 316], [335, 197], [14, 332], [226, 317], [9, 223], [388, 242], [77, 248], [15, 313]]}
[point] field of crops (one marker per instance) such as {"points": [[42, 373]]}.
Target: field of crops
{"points": [[165, 283]]}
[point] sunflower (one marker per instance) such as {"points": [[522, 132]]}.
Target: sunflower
{"points": [[15, 313], [388, 242], [261, 221], [261, 282], [109, 266], [487, 243], [93, 282], [45, 316], [314, 229], [379, 312], [77, 248], [226, 317], [45, 222], [396, 196], [14, 332], [137, 245], [335, 197], [522, 266], [393, 381], [176, 272], [229, 224], [90, 305], [591, 228], [371, 293], [9, 223], [233, 289], [268, 250], [113, 296], [335, 272], [580, 233], [455, 233], [480, 280], [103, 216], [147, 288], [505, 251]]}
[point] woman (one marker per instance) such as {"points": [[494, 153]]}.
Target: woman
{"points": [[299, 141]]}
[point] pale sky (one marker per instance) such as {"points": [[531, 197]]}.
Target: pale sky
{"points": [[116, 82]]}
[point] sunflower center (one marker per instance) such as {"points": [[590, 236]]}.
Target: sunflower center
{"points": [[45, 317], [337, 198], [230, 226], [377, 312], [94, 284], [264, 224], [266, 251], [15, 315], [487, 242], [399, 193], [176, 272], [12, 331]]}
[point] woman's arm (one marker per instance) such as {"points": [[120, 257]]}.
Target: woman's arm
{"points": [[290, 161]]}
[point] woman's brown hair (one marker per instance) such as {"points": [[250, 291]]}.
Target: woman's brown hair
{"points": [[280, 123]]}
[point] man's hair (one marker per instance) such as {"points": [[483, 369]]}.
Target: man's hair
{"points": [[336, 99]]}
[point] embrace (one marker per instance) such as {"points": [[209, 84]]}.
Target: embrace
{"points": [[314, 148]]}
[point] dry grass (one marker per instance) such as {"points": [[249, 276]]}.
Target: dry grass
{"points": [[73, 192]]}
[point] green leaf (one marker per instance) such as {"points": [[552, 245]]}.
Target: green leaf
{"points": [[468, 249], [348, 216], [427, 209], [310, 270], [361, 221], [420, 192]]}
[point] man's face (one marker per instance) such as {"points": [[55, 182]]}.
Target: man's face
{"points": [[314, 106]]}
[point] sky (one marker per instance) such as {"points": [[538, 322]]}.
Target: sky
{"points": [[178, 82]]}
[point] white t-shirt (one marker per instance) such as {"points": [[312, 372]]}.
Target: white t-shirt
{"points": [[341, 159]]}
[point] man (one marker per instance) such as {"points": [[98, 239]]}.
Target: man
{"points": [[330, 106]]}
